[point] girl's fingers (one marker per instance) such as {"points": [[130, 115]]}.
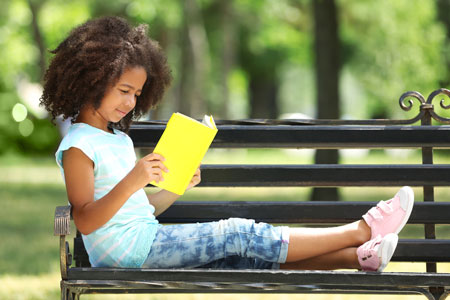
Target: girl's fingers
{"points": [[154, 156], [160, 165], [156, 160], [196, 178], [157, 175], [156, 164]]}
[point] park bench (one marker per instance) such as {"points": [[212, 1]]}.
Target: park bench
{"points": [[313, 134]]}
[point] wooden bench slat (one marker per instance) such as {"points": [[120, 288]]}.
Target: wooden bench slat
{"points": [[324, 175], [422, 250], [418, 250], [233, 288], [269, 136], [256, 276], [294, 212]]}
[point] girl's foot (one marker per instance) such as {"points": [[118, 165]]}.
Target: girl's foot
{"points": [[390, 216], [375, 254]]}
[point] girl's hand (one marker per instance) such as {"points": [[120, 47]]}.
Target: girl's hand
{"points": [[147, 169], [195, 179]]}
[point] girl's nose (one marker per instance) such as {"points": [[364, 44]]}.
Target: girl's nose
{"points": [[131, 101]]}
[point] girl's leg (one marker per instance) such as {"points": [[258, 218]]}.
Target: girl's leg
{"points": [[386, 218], [239, 263], [193, 245], [374, 255], [340, 259], [305, 243]]}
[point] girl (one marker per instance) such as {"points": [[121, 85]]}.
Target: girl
{"points": [[107, 73]]}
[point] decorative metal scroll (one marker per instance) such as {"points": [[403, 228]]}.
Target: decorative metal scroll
{"points": [[426, 106], [442, 103], [406, 103]]}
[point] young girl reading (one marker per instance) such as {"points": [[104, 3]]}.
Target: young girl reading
{"points": [[107, 73]]}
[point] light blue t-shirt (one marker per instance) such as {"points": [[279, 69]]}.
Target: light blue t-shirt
{"points": [[125, 240]]}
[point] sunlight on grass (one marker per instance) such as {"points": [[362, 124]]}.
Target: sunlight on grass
{"points": [[24, 287], [31, 174]]}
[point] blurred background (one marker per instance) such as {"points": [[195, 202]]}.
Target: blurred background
{"points": [[233, 59]]}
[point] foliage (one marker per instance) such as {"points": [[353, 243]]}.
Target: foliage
{"points": [[392, 47], [19, 60], [388, 47]]}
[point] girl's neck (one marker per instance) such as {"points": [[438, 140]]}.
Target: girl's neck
{"points": [[94, 119]]}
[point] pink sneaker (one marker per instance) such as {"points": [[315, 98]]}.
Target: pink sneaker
{"points": [[375, 254], [390, 216]]}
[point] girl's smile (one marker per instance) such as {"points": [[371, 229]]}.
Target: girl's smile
{"points": [[123, 113]]}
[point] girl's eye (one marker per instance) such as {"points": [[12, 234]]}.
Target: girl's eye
{"points": [[124, 92]]}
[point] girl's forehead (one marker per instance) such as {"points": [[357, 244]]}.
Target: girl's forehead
{"points": [[135, 76]]}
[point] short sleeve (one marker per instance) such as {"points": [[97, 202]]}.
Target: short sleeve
{"points": [[76, 139]]}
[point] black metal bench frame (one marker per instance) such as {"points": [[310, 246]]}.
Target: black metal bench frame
{"points": [[316, 134]]}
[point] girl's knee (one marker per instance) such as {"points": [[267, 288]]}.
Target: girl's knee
{"points": [[238, 225]]}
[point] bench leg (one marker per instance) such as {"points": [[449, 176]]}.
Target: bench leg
{"points": [[438, 293], [72, 295], [64, 292], [67, 294]]}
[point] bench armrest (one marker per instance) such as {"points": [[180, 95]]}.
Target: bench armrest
{"points": [[62, 220], [62, 228]]}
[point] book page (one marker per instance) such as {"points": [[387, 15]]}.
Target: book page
{"points": [[209, 121]]}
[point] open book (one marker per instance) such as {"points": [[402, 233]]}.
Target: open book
{"points": [[183, 144]]}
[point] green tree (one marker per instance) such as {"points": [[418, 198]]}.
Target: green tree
{"points": [[327, 62], [443, 8], [22, 129], [391, 47], [254, 58]]}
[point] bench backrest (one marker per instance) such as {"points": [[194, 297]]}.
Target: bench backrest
{"points": [[321, 134]]}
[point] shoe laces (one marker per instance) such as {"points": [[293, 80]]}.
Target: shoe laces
{"points": [[383, 207]]}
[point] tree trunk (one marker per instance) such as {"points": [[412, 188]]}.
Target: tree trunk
{"points": [[227, 54], [263, 97], [194, 62], [327, 81], [37, 36], [443, 8]]}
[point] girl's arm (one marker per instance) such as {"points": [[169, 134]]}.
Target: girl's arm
{"points": [[163, 199], [90, 215]]}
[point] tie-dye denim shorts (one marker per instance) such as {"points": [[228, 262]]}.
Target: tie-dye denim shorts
{"points": [[227, 244]]}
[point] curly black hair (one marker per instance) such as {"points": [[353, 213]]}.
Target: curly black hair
{"points": [[92, 59]]}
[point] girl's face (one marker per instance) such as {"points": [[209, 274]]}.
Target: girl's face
{"points": [[120, 99]]}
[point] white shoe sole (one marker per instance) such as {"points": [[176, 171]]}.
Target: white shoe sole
{"points": [[386, 250], [405, 193]]}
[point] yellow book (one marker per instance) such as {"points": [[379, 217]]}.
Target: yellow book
{"points": [[183, 144]]}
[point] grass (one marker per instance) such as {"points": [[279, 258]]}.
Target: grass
{"points": [[31, 188], [26, 214]]}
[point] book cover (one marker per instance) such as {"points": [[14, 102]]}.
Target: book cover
{"points": [[183, 144]]}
